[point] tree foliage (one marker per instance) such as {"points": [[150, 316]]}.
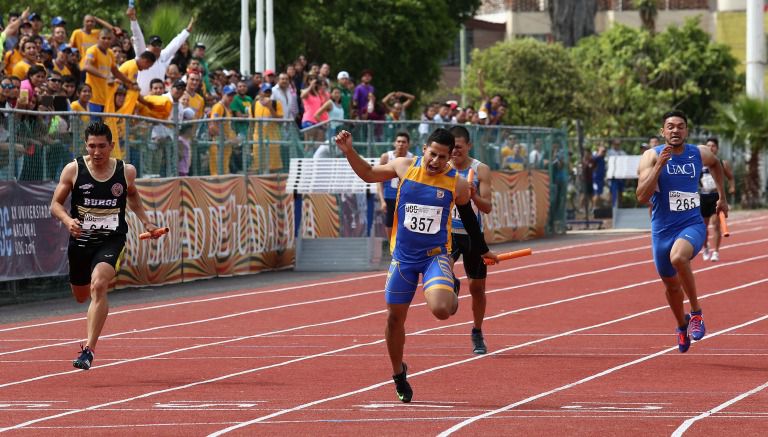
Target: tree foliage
{"points": [[541, 82], [744, 122], [635, 76]]}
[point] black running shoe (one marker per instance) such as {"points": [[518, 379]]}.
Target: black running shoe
{"points": [[85, 359], [403, 389], [456, 289], [478, 344]]}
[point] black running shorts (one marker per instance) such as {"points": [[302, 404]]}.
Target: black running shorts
{"points": [[82, 260], [708, 204], [473, 262]]}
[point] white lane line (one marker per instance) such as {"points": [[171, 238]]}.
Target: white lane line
{"points": [[371, 387], [468, 360], [687, 424], [715, 266], [376, 275], [299, 287], [466, 422], [496, 272]]}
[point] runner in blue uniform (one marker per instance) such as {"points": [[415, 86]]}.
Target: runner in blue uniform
{"points": [[101, 188], [481, 202], [669, 178], [421, 243]]}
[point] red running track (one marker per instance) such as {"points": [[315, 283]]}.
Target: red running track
{"points": [[580, 343]]}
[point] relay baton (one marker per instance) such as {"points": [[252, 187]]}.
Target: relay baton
{"points": [[470, 176], [510, 255], [157, 233], [723, 225]]}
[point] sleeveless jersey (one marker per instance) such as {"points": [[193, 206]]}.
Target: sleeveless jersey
{"points": [[676, 200], [99, 205], [708, 184], [422, 220], [458, 226], [390, 186]]}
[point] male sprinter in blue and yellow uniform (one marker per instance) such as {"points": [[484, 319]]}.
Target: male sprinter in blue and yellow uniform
{"points": [[669, 178], [481, 202], [421, 243], [101, 188]]}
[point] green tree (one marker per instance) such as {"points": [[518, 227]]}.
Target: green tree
{"points": [[744, 122], [635, 76], [540, 82]]}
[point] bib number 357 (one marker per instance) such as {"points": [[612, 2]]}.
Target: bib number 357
{"points": [[423, 219], [682, 201]]}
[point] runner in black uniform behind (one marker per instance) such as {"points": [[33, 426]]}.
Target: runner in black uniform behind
{"points": [[101, 187]]}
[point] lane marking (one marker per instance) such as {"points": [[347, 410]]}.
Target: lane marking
{"points": [[343, 349], [687, 424], [376, 275], [471, 420], [479, 357], [258, 310], [712, 267]]}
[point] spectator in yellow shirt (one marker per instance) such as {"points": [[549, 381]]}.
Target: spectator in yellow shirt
{"points": [[221, 110], [196, 101], [88, 36], [101, 71], [267, 108]]}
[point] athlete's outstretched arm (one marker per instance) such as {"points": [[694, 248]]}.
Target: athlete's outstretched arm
{"points": [[367, 172], [649, 172], [134, 200]]}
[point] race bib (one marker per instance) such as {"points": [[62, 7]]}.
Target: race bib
{"points": [[423, 219], [93, 222], [681, 201]]}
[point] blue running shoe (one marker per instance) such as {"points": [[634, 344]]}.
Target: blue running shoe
{"points": [[403, 389], [85, 359], [696, 328], [683, 340]]}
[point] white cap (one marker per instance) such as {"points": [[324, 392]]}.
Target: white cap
{"points": [[188, 114], [342, 75]]}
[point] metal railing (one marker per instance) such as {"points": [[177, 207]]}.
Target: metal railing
{"points": [[35, 146]]}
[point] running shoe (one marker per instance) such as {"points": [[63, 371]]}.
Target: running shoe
{"points": [[456, 289], [705, 254], [696, 328], [477, 342], [715, 256], [85, 359], [402, 388], [683, 340]]}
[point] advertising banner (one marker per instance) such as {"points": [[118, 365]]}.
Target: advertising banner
{"points": [[33, 243]]}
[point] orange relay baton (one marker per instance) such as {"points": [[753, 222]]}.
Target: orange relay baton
{"points": [[470, 175], [723, 225], [510, 255], [157, 233]]}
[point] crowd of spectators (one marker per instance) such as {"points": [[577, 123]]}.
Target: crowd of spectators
{"points": [[97, 67]]}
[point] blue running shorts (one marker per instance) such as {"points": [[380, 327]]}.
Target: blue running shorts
{"points": [[662, 246], [403, 278]]}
